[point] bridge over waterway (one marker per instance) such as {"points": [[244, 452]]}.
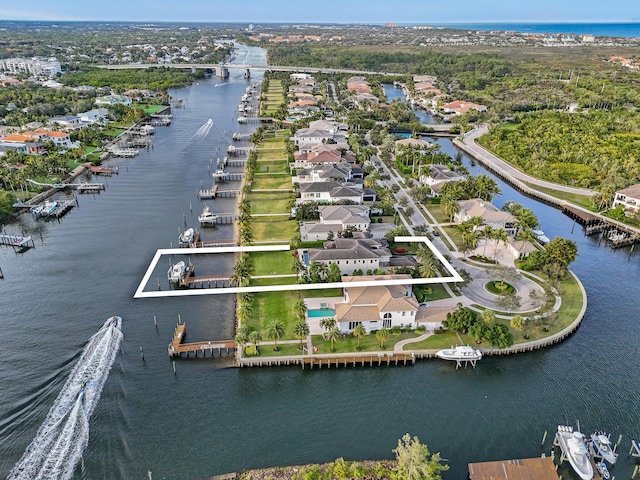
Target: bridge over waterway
{"points": [[273, 68]]}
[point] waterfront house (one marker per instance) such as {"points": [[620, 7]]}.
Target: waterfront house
{"points": [[330, 192], [376, 307], [459, 107], [415, 143], [437, 175], [520, 249], [22, 143], [490, 214], [112, 99], [328, 172], [629, 198], [96, 115], [349, 254], [336, 219]]}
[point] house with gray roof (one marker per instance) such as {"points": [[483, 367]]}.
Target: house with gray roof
{"points": [[437, 175], [328, 172], [330, 192], [335, 219], [629, 198], [349, 254]]}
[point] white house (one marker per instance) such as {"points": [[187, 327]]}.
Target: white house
{"points": [[328, 172], [112, 100], [335, 219], [437, 176], [97, 115], [330, 192], [628, 197], [349, 254], [378, 306]]}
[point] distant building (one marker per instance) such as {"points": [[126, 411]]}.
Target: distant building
{"points": [[113, 99], [459, 107], [335, 219], [35, 66], [350, 254], [489, 213], [437, 176], [629, 198]]}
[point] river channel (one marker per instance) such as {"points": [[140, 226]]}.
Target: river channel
{"points": [[205, 419]]}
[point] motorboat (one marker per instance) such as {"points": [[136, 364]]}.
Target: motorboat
{"points": [[186, 237], [540, 236], [573, 446], [600, 446], [176, 272], [459, 353], [207, 217], [46, 209], [603, 470]]}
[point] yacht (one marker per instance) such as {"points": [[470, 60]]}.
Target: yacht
{"points": [[176, 272], [600, 446], [459, 353], [573, 446], [539, 236], [207, 217], [186, 237]]}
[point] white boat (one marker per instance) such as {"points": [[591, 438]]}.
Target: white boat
{"points": [[600, 446], [207, 217], [603, 470], [573, 446], [46, 209], [186, 237], [460, 353], [540, 236], [176, 272]]}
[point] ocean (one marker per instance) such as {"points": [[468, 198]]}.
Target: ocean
{"points": [[628, 30]]}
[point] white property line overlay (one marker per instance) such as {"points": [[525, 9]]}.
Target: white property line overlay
{"points": [[140, 293]]}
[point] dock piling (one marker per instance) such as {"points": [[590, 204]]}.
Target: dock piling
{"points": [[142, 353], [155, 322], [174, 366], [544, 437]]}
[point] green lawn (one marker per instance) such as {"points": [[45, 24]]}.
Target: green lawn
{"points": [[582, 200], [271, 263], [266, 182], [438, 292], [263, 203], [275, 154], [284, 349], [437, 341], [151, 109], [368, 343], [273, 228], [268, 306], [438, 213], [455, 235]]}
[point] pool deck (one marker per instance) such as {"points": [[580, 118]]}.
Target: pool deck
{"points": [[317, 304]]}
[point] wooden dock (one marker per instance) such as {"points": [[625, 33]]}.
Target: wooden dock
{"points": [[102, 170], [228, 192], [204, 281], [177, 347], [375, 359], [208, 194], [583, 218], [241, 137], [17, 242], [64, 208], [87, 187]]}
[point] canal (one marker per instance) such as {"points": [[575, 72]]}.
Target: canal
{"points": [[207, 420]]}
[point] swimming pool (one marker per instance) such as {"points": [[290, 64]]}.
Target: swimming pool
{"points": [[321, 312]]}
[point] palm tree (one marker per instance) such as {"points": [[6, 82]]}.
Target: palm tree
{"points": [[359, 331], [451, 206], [255, 338], [489, 234], [382, 335], [275, 331], [301, 330], [333, 335], [300, 308], [500, 235], [328, 323], [242, 337], [244, 312]]}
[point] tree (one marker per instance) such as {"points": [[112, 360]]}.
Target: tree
{"points": [[255, 337], [415, 462], [328, 323], [562, 251], [382, 335], [460, 320], [275, 331], [488, 317], [517, 322], [244, 312], [333, 335], [510, 301], [301, 330], [499, 336], [242, 336], [358, 332], [450, 206], [300, 308], [503, 274], [334, 275]]}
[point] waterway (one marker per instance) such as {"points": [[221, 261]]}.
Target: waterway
{"points": [[393, 93], [207, 420]]}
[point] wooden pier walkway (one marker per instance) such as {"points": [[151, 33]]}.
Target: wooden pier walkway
{"points": [[203, 281], [208, 194], [177, 347], [17, 241], [102, 170], [196, 242], [374, 359], [87, 187], [64, 208]]}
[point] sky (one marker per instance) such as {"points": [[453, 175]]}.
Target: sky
{"points": [[325, 11]]}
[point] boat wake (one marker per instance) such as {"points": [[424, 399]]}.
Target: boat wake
{"points": [[61, 439], [203, 131]]}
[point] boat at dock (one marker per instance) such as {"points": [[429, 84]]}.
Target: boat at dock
{"points": [[207, 217], [186, 237], [45, 209], [459, 353], [540, 236], [574, 449], [600, 446], [177, 272]]}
